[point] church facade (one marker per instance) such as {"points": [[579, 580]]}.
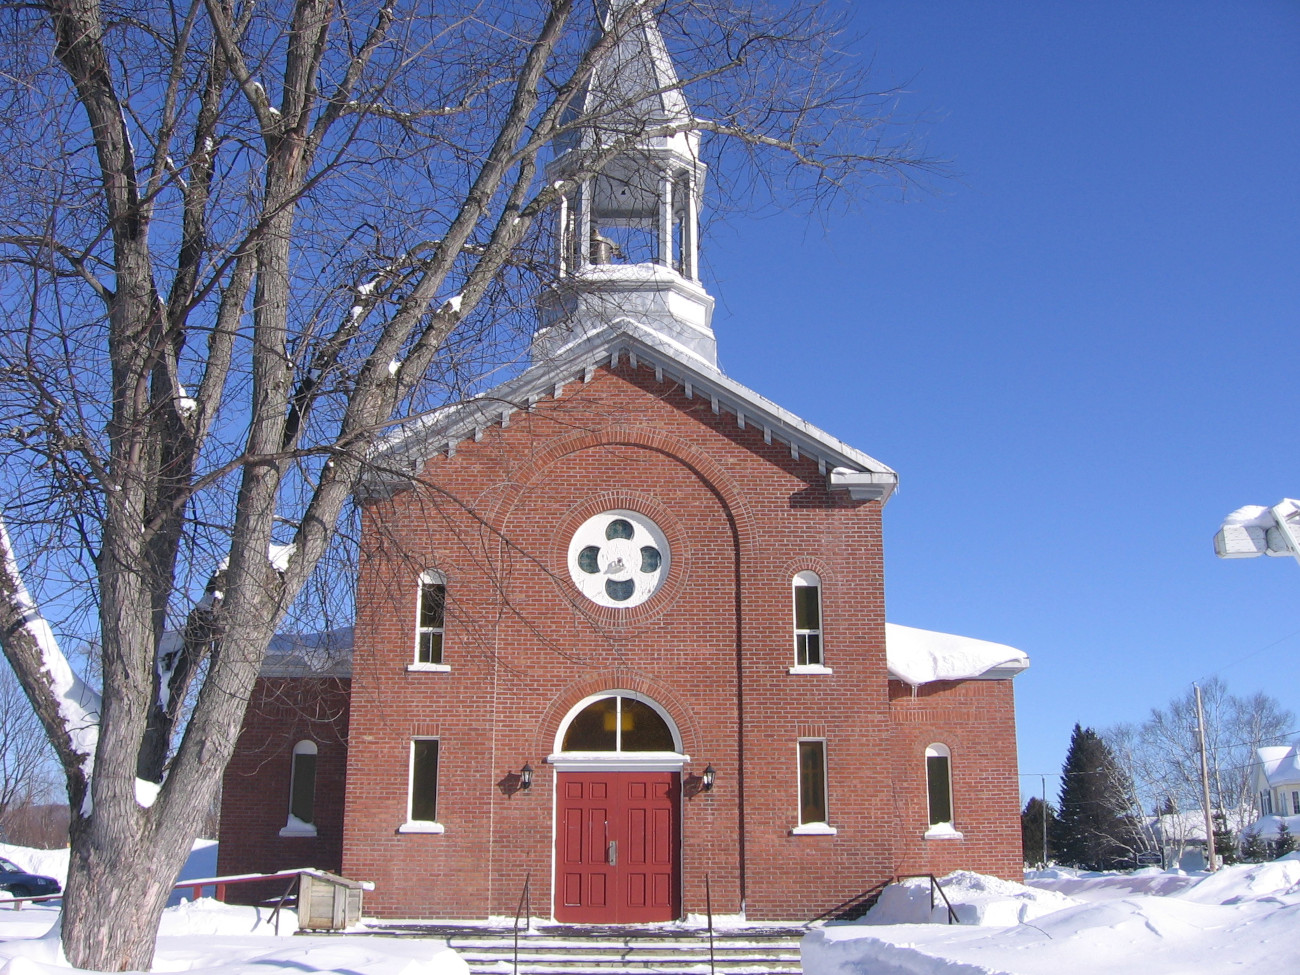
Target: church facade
{"points": [[620, 630]]}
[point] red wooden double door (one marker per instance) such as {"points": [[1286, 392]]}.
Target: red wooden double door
{"points": [[618, 848]]}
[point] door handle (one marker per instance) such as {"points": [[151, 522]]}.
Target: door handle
{"points": [[611, 854]]}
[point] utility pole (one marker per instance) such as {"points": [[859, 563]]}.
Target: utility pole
{"points": [[1211, 859], [1044, 778]]}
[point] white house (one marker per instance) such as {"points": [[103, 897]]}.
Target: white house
{"points": [[1277, 779]]}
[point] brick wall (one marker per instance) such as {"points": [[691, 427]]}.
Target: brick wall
{"points": [[255, 789], [713, 647], [976, 721]]}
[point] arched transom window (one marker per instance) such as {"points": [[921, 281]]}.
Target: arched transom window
{"points": [[618, 723]]}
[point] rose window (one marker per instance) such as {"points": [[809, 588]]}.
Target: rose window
{"points": [[618, 558]]}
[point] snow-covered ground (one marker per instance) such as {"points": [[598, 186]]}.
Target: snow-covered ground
{"points": [[1244, 918], [208, 938], [1150, 922]]}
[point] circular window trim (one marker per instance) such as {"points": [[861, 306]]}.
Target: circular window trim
{"points": [[615, 570]]}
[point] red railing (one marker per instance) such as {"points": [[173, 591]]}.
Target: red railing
{"points": [[196, 886], [219, 884]]}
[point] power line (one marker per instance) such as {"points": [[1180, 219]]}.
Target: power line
{"points": [[1247, 656]]}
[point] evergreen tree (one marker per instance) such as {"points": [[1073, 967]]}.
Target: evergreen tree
{"points": [[1286, 840], [1225, 840], [1253, 847], [1094, 828], [1031, 831]]}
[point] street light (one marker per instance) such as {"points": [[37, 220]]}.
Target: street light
{"points": [[1257, 530]]}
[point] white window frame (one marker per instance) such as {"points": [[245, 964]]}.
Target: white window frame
{"points": [[413, 825], [294, 826], [430, 577], [808, 580], [821, 828], [617, 760], [943, 829]]}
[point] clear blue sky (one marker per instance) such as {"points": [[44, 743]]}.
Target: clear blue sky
{"points": [[1079, 353]]}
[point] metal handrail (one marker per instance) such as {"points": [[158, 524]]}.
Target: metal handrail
{"points": [[525, 907], [708, 907], [934, 885], [275, 915]]}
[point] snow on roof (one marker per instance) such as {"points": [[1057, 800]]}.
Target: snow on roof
{"points": [[920, 656], [1267, 826], [1280, 763], [325, 654]]}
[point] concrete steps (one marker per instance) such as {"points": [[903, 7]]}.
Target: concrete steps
{"points": [[576, 950]]}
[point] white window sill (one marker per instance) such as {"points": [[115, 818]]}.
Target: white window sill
{"points": [[420, 826], [428, 668], [813, 829], [298, 831], [810, 669], [943, 831]]}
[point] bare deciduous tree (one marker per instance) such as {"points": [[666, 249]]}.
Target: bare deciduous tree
{"points": [[1162, 757], [241, 241], [27, 770]]}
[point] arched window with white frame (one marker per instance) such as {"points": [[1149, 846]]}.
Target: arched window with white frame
{"points": [[807, 593], [302, 791], [618, 722], [938, 785], [431, 618]]}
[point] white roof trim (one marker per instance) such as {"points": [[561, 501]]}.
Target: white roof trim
{"points": [[405, 452]]}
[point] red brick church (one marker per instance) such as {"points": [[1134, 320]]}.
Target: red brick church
{"points": [[621, 626]]}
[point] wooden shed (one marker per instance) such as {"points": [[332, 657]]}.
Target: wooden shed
{"points": [[327, 902]]}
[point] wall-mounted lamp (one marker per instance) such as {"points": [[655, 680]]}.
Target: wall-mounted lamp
{"points": [[526, 777], [709, 774]]}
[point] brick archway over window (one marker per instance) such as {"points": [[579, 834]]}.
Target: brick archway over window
{"points": [[612, 682]]}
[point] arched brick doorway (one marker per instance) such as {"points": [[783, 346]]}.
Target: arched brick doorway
{"points": [[618, 812]]}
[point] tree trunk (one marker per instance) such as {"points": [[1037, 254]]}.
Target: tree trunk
{"points": [[120, 874]]}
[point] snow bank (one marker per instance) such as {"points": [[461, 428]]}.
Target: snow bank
{"points": [[920, 656], [209, 916], [1088, 885], [1249, 881], [1267, 826], [975, 898], [202, 861], [54, 863], [1243, 918]]}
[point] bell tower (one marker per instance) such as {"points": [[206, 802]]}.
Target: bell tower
{"points": [[627, 241]]}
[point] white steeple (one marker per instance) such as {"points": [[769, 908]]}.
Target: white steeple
{"points": [[627, 254]]}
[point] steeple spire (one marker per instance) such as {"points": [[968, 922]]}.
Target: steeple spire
{"points": [[627, 253]]}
